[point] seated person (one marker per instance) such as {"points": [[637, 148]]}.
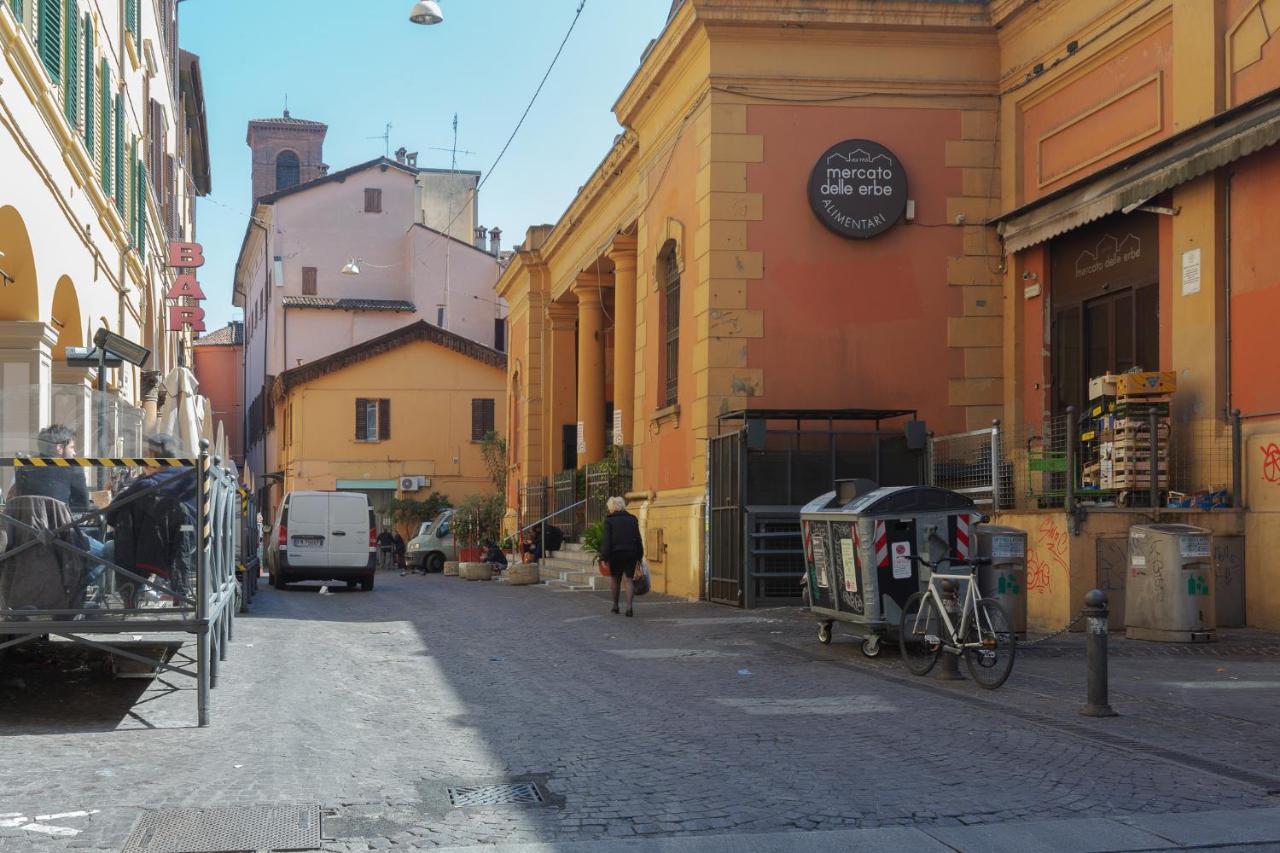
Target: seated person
{"points": [[65, 484], [530, 547], [554, 540], [154, 519], [493, 556]]}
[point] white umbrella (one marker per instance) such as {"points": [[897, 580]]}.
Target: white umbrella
{"points": [[184, 411], [220, 445]]}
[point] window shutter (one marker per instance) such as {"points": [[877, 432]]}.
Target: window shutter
{"points": [[49, 38], [118, 146], [372, 200], [362, 421], [308, 281], [105, 104], [132, 198], [71, 79], [16, 6], [384, 420], [131, 16], [89, 105], [142, 210], [481, 419], [170, 198]]}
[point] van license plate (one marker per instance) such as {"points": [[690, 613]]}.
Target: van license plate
{"points": [[308, 541]]}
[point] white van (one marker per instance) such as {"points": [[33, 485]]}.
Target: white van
{"points": [[433, 544], [322, 536]]}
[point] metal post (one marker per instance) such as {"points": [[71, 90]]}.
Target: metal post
{"points": [[1095, 611], [203, 658], [1152, 421], [101, 475], [1237, 478], [1069, 494], [995, 464], [949, 664]]}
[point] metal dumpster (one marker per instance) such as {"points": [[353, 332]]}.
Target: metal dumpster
{"points": [[1005, 579], [858, 541], [1169, 592]]}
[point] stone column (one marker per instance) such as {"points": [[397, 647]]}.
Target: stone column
{"points": [[26, 382], [623, 255], [591, 351], [152, 386], [561, 382]]}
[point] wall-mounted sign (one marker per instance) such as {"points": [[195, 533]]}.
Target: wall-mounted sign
{"points": [[186, 257], [858, 188]]}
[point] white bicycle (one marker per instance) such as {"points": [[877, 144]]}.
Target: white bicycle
{"points": [[983, 633]]}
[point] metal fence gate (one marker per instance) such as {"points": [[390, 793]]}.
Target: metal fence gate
{"points": [[726, 501], [564, 496]]}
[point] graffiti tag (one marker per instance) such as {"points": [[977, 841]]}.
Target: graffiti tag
{"points": [[1271, 462]]}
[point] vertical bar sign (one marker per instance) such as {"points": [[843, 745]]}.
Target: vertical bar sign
{"points": [[186, 290], [617, 427]]}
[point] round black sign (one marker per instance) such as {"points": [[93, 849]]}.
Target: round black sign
{"points": [[858, 188]]}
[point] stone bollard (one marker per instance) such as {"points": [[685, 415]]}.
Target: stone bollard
{"points": [[948, 668], [1095, 633]]}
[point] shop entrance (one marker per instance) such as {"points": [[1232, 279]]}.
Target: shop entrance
{"points": [[1106, 304]]}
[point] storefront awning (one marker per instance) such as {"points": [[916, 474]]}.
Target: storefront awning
{"points": [[1226, 138]]}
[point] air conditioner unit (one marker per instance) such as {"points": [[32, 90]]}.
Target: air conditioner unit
{"points": [[414, 482]]}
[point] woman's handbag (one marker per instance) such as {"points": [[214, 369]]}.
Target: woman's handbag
{"points": [[640, 584]]}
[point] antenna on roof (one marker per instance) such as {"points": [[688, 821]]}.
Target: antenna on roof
{"points": [[385, 136], [286, 104], [453, 166]]}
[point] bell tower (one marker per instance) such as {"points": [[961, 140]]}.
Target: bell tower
{"points": [[286, 151]]}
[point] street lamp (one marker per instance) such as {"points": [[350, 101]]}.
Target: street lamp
{"points": [[351, 267], [426, 12]]}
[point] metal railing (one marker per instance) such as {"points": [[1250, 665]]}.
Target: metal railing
{"points": [[1139, 458], [105, 586]]}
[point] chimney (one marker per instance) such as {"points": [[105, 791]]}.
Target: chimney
{"points": [[400, 154], [480, 236], [495, 242], [411, 159]]}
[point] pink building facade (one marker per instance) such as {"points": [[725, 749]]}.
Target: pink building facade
{"points": [[347, 256]]}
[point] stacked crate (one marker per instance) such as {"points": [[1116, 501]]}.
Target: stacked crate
{"points": [[1116, 440], [1127, 445]]}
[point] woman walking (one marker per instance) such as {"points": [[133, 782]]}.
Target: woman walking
{"points": [[621, 548]]}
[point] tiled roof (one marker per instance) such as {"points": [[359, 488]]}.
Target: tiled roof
{"points": [[232, 333], [288, 120], [348, 304], [419, 330]]}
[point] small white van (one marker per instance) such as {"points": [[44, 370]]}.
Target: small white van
{"points": [[322, 536], [433, 544]]}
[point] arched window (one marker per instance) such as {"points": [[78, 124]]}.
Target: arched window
{"points": [[287, 170], [669, 270]]}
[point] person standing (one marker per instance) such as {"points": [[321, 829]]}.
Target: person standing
{"points": [[400, 553], [621, 549], [386, 548]]}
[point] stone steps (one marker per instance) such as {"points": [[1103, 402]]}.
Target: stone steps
{"points": [[573, 568]]}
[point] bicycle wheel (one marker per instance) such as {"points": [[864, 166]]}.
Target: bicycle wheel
{"points": [[919, 634], [991, 664]]}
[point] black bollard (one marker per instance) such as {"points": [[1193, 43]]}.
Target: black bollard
{"points": [[948, 668], [1095, 612]]}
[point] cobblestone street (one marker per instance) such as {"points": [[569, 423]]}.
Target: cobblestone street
{"points": [[689, 720]]}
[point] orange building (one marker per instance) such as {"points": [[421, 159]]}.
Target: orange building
{"points": [[699, 273], [218, 362], [1089, 187]]}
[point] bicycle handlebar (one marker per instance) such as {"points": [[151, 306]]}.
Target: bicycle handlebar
{"points": [[974, 563]]}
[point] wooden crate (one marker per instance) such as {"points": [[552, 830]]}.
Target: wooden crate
{"points": [[1156, 382]]}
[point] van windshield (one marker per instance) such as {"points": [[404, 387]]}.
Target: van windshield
{"points": [[425, 528]]}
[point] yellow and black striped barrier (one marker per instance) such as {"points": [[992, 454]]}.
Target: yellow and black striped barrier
{"points": [[93, 462]]}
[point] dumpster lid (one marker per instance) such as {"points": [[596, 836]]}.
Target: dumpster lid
{"points": [[893, 500]]}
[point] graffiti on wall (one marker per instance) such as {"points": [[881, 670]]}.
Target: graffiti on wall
{"points": [[1047, 556], [1271, 463]]}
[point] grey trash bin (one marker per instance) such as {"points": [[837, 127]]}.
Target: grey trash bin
{"points": [[1169, 592], [857, 544], [1005, 579]]}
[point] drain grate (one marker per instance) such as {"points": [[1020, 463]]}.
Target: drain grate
{"points": [[521, 793], [226, 830]]}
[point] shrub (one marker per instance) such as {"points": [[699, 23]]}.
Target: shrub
{"points": [[592, 535]]}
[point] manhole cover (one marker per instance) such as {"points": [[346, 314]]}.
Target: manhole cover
{"points": [[495, 795], [226, 830]]}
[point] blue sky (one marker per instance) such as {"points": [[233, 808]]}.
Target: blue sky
{"points": [[359, 64]]}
